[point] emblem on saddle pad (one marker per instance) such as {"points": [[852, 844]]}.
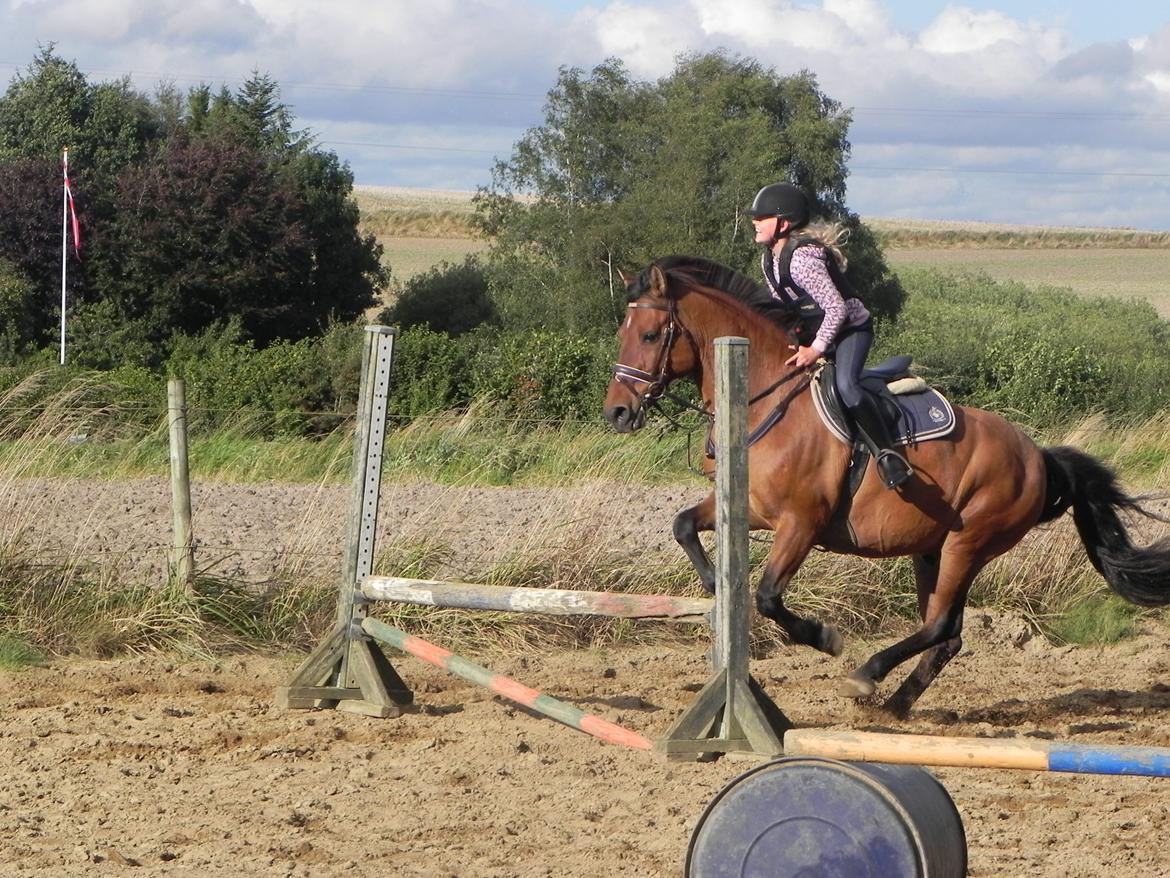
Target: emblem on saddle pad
{"points": [[922, 413]]}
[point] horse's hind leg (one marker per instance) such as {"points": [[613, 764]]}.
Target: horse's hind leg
{"points": [[789, 550], [942, 592], [934, 659], [929, 666], [687, 525]]}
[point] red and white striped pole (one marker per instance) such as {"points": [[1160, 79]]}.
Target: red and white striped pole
{"points": [[505, 686]]}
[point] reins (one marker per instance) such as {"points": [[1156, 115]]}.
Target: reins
{"points": [[781, 408], [658, 381]]}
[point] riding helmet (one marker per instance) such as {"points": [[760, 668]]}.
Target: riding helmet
{"points": [[783, 200]]}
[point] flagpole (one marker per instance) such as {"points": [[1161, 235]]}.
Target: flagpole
{"points": [[64, 244]]}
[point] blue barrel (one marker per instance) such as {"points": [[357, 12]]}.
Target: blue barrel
{"points": [[806, 816]]}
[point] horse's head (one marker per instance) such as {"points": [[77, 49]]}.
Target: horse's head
{"points": [[650, 355]]}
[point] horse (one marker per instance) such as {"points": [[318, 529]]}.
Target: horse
{"points": [[974, 495]]}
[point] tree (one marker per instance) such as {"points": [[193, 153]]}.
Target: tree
{"points": [[622, 172], [106, 126], [30, 241], [20, 324], [195, 208], [346, 269], [205, 231]]}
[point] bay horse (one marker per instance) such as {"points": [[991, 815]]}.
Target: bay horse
{"points": [[973, 496]]}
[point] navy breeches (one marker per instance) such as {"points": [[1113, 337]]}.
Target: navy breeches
{"points": [[851, 350]]}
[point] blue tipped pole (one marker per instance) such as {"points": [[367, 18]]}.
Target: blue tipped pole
{"points": [[1089, 759], [979, 752]]}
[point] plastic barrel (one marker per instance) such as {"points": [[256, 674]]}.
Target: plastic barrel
{"points": [[810, 817]]}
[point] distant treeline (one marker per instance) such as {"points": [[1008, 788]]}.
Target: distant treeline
{"points": [[195, 209]]}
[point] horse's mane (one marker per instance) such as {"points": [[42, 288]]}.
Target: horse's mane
{"points": [[709, 273]]}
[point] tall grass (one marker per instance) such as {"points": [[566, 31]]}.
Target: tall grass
{"points": [[79, 598]]}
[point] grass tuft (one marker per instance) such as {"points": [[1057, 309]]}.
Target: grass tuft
{"points": [[1100, 619], [17, 653], [77, 599]]}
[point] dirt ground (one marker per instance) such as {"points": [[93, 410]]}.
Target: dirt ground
{"points": [[167, 766]]}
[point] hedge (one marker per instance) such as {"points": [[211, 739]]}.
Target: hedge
{"points": [[1039, 355]]}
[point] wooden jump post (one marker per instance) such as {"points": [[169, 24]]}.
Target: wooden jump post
{"points": [[979, 752], [349, 670], [732, 713]]}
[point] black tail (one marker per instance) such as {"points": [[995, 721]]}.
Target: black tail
{"points": [[1140, 575]]}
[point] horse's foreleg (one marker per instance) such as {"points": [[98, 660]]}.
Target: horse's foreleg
{"points": [[788, 553], [687, 525], [942, 592]]}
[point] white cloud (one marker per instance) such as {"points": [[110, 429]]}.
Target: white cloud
{"points": [[961, 30], [1160, 80], [646, 37], [970, 88], [867, 18], [171, 21]]}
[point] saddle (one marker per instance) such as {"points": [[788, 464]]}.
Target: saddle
{"points": [[914, 411]]}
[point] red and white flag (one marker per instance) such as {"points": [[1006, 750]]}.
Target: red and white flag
{"points": [[72, 209]]}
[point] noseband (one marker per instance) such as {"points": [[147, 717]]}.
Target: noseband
{"points": [[657, 381]]}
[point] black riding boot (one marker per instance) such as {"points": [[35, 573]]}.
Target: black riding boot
{"points": [[871, 426]]}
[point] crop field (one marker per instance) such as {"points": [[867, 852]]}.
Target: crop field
{"points": [[420, 229]]}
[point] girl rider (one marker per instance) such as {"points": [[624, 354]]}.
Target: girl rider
{"points": [[806, 274]]}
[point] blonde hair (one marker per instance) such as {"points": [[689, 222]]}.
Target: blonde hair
{"points": [[832, 235]]}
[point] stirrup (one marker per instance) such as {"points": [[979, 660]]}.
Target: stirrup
{"points": [[893, 468]]}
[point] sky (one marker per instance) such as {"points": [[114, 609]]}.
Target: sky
{"points": [[1032, 112]]}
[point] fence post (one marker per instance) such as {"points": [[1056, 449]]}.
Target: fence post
{"points": [[184, 543]]}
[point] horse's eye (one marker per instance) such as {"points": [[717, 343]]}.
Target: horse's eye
{"points": [[651, 336]]}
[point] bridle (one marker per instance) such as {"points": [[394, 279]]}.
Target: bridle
{"points": [[657, 381]]}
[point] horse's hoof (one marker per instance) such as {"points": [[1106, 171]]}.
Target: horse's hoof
{"points": [[831, 641], [856, 686], [897, 708]]}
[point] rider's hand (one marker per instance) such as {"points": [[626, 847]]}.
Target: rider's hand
{"points": [[804, 356]]}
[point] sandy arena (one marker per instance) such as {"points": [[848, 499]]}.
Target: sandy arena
{"points": [[158, 765]]}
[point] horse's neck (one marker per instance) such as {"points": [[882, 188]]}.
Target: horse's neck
{"points": [[709, 316]]}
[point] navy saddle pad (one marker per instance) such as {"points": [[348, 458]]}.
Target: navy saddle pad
{"points": [[918, 414]]}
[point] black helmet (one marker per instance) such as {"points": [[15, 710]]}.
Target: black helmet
{"points": [[783, 200]]}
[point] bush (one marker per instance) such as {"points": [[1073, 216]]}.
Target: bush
{"points": [[449, 298], [547, 374], [279, 388], [432, 372], [41, 398]]}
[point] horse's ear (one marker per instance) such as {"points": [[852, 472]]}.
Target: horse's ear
{"points": [[657, 281], [628, 277]]}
